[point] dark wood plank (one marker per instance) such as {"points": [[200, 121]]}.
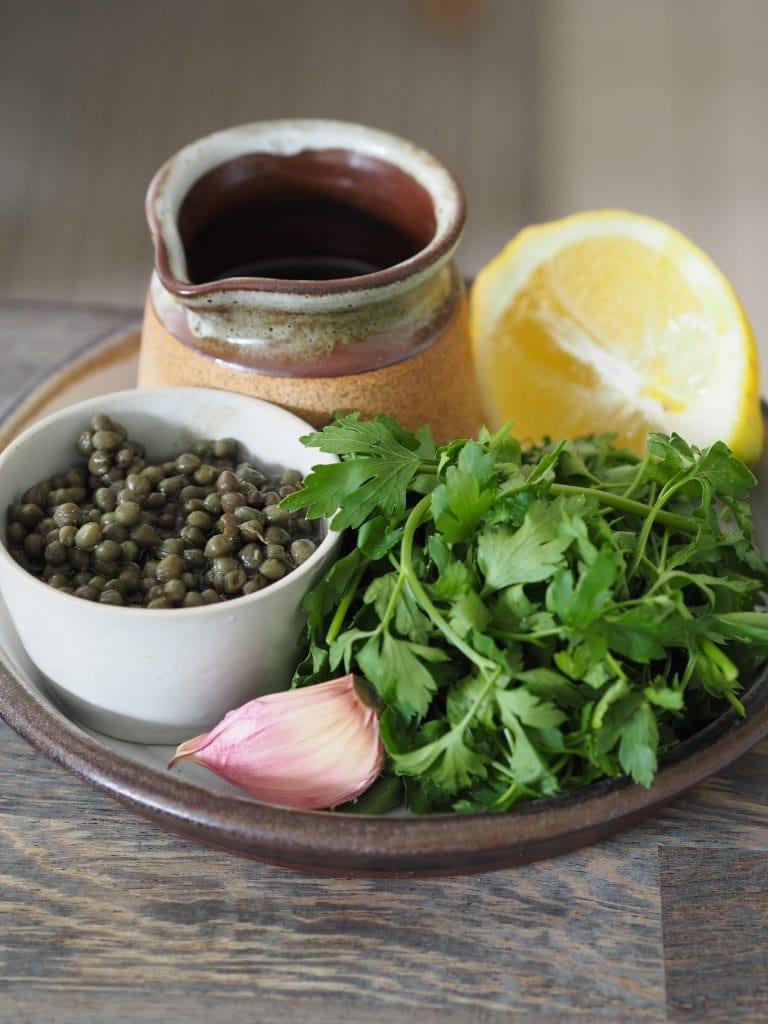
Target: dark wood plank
{"points": [[715, 921], [105, 911]]}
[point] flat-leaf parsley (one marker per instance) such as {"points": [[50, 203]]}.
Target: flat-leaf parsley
{"points": [[533, 618]]}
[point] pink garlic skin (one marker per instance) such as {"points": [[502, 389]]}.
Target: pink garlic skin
{"points": [[314, 747]]}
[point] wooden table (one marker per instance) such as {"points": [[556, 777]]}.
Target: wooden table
{"points": [[107, 917]]}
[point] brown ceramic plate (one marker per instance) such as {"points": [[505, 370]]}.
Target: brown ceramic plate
{"points": [[202, 808]]}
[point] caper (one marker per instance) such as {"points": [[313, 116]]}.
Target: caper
{"points": [[212, 504], [105, 499], [36, 495], [170, 546], [99, 463], [250, 475], [277, 535], [30, 515], [169, 568], [252, 531], [225, 448], [251, 555], [275, 515], [145, 536], [111, 595], [273, 569], [15, 533], [175, 590], [205, 475], [84, 443], [88, 536], [106, 440], [67, 535], [232, 500], [226, 481], [217, 545], [301, 549], [108, 551], [113, 531], [138, 483], [170, 485], [187, 463], [34, 547]]}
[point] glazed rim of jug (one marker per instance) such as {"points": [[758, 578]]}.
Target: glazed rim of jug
{"points": [[398, 179]]}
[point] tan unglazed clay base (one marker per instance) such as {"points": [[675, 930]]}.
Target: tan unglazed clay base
{"points": [[436, 386]]}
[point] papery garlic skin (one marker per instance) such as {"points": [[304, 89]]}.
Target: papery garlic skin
{"points": [[313, 748]]}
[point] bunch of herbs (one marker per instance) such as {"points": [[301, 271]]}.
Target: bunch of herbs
{"points": [[532, 618]]}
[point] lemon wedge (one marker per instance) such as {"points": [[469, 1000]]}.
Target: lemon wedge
{"points": [[612, 322]]}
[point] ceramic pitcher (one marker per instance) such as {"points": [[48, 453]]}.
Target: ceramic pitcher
{"points": [[310, 263]]}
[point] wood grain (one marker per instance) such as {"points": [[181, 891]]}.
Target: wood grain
{"points": [[104, 916]]}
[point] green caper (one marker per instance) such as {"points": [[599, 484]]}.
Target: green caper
{"points": [[15, 533], [34, 547], [67, 535], [145, 536], [217, 545], [111, 595], [175, 590], [31, 515], [169, 568], [252, 531], [128, 513], [225, 448], [99, 463], [106, 440], [227, 481], [105, 499], [187, 463], [108, 551], [88, 536], [84, 443], [231, 500], [277, 535], [170, 546], [273, 569], [205, 475], [36, 495], [275, 515], [251, 555], [301, 549]]}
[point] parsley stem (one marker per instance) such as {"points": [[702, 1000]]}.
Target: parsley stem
{"points": [[408, 573], [638, 508], [341, 609]]}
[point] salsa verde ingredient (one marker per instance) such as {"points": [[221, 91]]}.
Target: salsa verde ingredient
{"points": [[533, 618], [201, 526], [316, 747]]}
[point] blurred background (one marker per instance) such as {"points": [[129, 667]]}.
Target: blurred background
{"points": [[542, 108]]}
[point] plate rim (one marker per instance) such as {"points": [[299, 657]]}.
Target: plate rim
{"points": [[352, 844]]}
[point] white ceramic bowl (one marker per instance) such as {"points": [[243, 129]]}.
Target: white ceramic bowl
{"points": [[159, 675]]}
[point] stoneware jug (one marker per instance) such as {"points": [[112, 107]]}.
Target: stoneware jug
{"points": [[310, 263]]}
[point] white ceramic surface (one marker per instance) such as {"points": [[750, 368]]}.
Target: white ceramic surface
{"points": [[159, 676]]}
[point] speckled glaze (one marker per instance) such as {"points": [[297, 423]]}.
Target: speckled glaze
{"points": [[392, 338]]}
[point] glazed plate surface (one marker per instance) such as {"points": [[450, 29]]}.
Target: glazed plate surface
{"points": [[197, 804]]}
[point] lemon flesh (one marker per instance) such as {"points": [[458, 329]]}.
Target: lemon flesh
{"points": [[609, 322]]}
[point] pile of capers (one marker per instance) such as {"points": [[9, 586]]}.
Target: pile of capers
{"points": [[194, 529]]}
